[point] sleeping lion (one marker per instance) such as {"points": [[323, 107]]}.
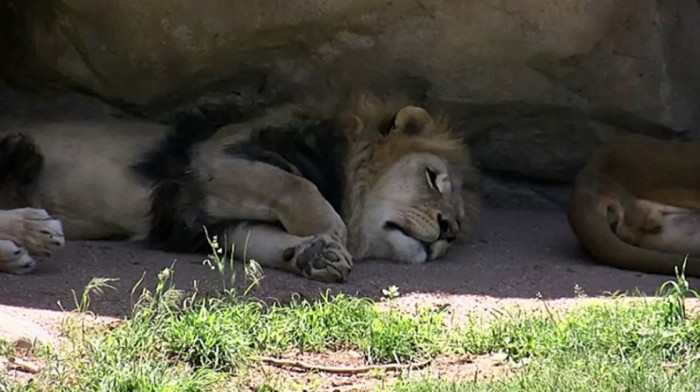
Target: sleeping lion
{"points": [[306, 194], [636, 205]]}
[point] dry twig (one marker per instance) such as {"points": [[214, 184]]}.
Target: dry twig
{"points": [[343, 369]]}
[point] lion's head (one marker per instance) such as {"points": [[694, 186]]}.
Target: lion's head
{"points": [[411, 187]]}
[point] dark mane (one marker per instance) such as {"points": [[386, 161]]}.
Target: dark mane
{"points": [[310, 148], [175, 194]]}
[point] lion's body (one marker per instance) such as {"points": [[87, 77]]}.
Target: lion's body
{"points": [[303, 194], [86, 180], [636, 205]]}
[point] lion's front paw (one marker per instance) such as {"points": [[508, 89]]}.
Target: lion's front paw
{"points": [[321, 258], [34, 229], [15, 259]]}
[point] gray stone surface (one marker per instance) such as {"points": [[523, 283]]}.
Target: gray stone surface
{"points": [[638, 56]]}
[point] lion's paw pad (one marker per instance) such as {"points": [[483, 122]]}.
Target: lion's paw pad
{"points": [[15, 259], [320, 258]]}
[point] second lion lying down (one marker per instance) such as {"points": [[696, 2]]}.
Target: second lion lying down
{"points": [[636, 205], [304, 194]]}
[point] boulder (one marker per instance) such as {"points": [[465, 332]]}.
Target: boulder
{"points": [[639, 56]]}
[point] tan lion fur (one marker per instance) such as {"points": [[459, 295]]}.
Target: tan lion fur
{"points": [[635, 205], [373, 153]]}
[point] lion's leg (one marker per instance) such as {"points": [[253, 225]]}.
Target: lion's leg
{"points": [[318, 256], [312, 238], [238, 189]]}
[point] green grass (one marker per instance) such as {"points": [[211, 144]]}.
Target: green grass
{"points": [[224, 334], [603, 347], [189, 344], [643, 346], [6, 348], [174, 342]]}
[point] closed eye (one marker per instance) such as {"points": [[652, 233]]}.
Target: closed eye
{"points": [[431, 176]]}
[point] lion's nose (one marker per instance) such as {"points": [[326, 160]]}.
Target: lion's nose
{"points": [[448, 228]]}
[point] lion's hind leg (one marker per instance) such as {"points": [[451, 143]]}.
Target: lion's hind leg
{"points": [[318, 257]]}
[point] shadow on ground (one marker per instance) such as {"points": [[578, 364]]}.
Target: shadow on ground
{"points": [[516, 254]]}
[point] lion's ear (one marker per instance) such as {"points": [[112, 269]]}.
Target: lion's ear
{"points": [[413, 120]]}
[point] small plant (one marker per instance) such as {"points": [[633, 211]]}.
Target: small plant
{"points": [[391, 292], [675, 294], [579, 292], [223, 262], [95, 285]]}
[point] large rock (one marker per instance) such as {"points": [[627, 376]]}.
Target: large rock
{"points": [[641, 56], [535, 84]]}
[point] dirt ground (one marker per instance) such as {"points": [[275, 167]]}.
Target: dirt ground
{"points": [[514, 255]]}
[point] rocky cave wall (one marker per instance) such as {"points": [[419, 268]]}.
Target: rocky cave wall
{"points": [[534, 85]]}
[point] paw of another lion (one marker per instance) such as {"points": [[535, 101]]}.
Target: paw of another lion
{"points": [[15, 259], [320, 258], [33, 229]]}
